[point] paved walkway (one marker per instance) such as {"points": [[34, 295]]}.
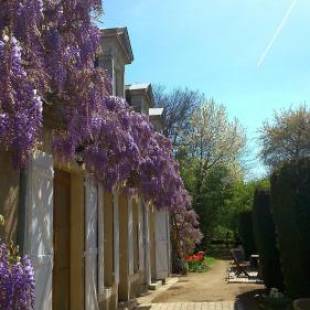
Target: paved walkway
{"points": [[203, 291], [225, 305]]}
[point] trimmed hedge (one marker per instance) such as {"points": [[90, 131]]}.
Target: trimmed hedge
{"points": [[290, 199], [266, 241], [246, 233]]}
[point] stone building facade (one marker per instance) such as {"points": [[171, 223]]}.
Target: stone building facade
{"points": [[91, 249]]}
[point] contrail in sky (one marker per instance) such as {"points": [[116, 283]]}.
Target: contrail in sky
{"points": [[277, 33]]}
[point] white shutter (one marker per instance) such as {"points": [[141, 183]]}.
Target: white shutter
{"points": [[116, 237], [91, 251], [100, 240], [130, 238], [162, 244], [141, 240], [146, 234], [169, 241], [39, 226]]}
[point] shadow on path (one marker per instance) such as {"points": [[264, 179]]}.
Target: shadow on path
{"points": [[248, 300]]}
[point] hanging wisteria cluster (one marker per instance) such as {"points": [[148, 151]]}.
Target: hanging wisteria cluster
{"points": [[122, 149], [16, 281], [47, 54], [185, 228], [47, 67]]}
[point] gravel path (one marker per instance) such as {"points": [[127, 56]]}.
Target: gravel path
{"points": [[210, 287]]}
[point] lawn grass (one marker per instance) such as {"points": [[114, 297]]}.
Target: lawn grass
{"points": [[210, 260]]}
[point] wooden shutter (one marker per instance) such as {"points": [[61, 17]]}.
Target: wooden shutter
{"points": [[100, 240], [131, 237], [162, 244], [116, 236], [141, 238], [146, 244], [169, 241], [39, 225]]}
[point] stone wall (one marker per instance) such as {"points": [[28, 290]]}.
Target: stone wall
{"points": [[9, 193]]}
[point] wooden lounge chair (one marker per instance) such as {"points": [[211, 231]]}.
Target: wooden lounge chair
{"points": [[240, 264]]}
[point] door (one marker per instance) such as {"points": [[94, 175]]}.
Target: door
{"points": [[61, 272]]}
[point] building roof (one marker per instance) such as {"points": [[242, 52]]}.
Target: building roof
{"points": [[141, 89], [122, 36], [156, 111], [142, 86]]}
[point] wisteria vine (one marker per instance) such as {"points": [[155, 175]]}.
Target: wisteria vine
{"points": [[16, 281], [47, 71]]}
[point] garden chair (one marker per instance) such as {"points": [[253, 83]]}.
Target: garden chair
{"points": [[240, 264]]}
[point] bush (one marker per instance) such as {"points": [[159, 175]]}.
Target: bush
{"points": [[223, 235], [275, 300], [290, 199], [266, 241], [246, 233]]}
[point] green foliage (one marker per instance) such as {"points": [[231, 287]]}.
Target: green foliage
{"points": [[202, 266], [266, 242], [219, 196], [290, 199], [13, 250], [223, 233], [210, 260], [209, 165], [286, 137], [197, 266], [246, 233], [212, 175], [240, 200], [210, 199]]}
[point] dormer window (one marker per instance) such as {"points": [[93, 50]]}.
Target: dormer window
{"points": [[115, 54]]}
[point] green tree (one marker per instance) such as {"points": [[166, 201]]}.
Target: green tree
{"points": [[209, 162], [178, 105], [214, 139], [286, 137]]}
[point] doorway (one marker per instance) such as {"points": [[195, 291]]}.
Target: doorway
{"points": [[61, 269]]}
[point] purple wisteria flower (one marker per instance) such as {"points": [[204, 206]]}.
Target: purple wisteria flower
{"points": [[17, 281], [47, 55]]}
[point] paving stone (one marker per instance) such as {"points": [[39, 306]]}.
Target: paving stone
{"points": [[221, 305]]}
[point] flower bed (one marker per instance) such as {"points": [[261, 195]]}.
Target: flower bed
{"points": [[199, 262]]}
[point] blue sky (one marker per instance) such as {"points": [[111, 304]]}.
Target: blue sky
{"points": [[215, 45]]}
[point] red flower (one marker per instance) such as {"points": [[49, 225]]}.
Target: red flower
{"points": [[189, 258], [198, 257]]}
